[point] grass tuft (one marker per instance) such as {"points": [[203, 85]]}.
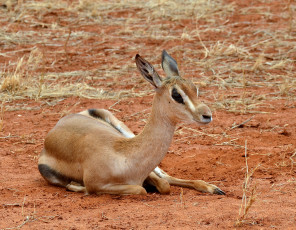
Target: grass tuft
{"points": [[249, 194]]}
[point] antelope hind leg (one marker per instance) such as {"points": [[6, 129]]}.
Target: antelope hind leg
{"points": [[111, 189], [198, 185], [161, 184], [122, 190]]}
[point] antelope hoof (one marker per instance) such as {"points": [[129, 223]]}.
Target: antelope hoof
{"points": [[214, 190], [218, 191]]}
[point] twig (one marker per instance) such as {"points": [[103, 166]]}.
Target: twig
{"points": [[111, 107], [2, 115], [241, 124], [290, 17], [182, 198], [292, 161], [149, 205], [15, 204], [204, 46], [246, 203], [66, 43], [134, 114], [28, 219]]}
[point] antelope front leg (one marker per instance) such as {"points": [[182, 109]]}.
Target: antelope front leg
{"points": [[198, 185], [76, 187]]}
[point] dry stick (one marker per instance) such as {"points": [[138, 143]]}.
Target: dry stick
{"points": [[117, 102], [67, 111], [135, 114], [239, 219], [246, 205], [2, 115], [30, 217], [290, 16], [204, 46], [41, 78], [10, 136], [241, 124], [292, 161], [247, 171], [182, 201], [21, 225], [66, 43], [15, 204]]}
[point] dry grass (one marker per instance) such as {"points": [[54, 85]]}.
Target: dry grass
{"points": [[28, 81], [249, 194], [20, 80], [231, 63], [29, 214], [21, 77], [2, 109]]}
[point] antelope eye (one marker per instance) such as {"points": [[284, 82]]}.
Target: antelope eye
{"points": [[176, 96]]}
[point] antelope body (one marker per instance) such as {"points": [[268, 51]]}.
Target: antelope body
{"points": [[94, 152]]}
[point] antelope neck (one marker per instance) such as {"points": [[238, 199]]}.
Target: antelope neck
{"points": [[153, 142]]}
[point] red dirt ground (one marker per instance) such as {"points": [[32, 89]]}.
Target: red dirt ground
{"points": [[28, 202]]}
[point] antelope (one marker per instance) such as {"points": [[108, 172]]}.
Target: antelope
{"points": [[94, 152]]}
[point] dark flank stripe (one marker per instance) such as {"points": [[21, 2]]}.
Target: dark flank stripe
{"points": [[50, 174], [95, 114]]}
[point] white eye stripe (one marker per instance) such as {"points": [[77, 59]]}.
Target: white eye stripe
{"points": [[186, 99], [190, 105]]}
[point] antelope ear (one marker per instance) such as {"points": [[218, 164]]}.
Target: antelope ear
{"points": [[148, 71], [169, 65]]}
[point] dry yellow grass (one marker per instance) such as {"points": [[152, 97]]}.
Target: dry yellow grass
{"points": [[2, 109], [26, 82], [249, 194], [229, 63]]}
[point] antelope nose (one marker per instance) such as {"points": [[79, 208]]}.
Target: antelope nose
{"points": [[206, 118], [205, 115]]}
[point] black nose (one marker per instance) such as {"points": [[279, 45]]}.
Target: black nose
{"points": [[206, 117]]}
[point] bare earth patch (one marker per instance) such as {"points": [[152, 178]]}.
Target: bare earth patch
{"points": [[61, 57]]}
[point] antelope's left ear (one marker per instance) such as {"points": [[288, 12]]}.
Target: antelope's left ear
{"points": [[169, 65], [148, 71]]}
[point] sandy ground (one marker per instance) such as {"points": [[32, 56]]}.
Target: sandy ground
{"points": [[251, 93]]}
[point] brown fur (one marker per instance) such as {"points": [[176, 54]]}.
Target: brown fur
{"points": [[101, 155]]}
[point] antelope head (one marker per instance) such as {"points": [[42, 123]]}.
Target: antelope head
{"points": [[178, 97]]}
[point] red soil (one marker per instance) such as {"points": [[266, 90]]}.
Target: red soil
{"points": [[28, 202]]}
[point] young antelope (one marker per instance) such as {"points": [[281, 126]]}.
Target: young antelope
{"points": [[93, 152]]}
